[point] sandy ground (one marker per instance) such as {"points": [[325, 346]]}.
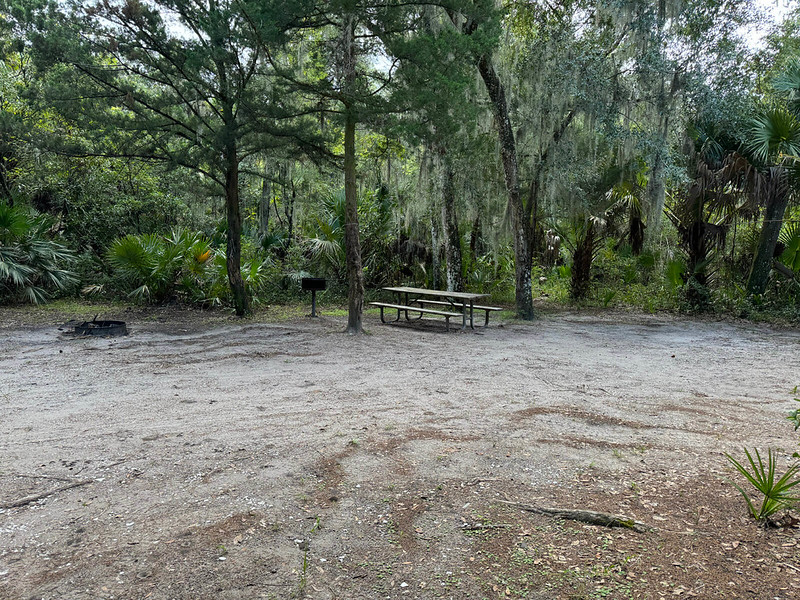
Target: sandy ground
{"points": [[249, 460]]}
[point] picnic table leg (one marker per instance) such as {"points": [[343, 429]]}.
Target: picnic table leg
{"points": [[421, 305], [471, 308], [400, 301], [383, 320], [408, 303], [463, 316]]}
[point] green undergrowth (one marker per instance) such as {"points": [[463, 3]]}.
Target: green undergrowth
{"points": [[550, 295]]}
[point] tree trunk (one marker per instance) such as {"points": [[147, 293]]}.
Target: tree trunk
{"points": [[263, 207], [5, 188], [508, 155], [452, 247], [7, 165], [388, 163], [475, 240], [234, 219], [355, 273], [434, 252], [770, 230], [582, 263], [289, 208], [536, 244], [656, 190], [233, 215], [540, 172]]}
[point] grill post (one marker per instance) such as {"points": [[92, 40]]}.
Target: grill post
{"points": [[313, 285]]}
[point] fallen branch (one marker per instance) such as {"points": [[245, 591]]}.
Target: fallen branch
{"points": [[484, 526], [585, 516], [30, 499], [788, 566], [53, 477]]}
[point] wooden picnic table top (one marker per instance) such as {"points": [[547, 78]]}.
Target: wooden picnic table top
{"points": [[437, 293]]}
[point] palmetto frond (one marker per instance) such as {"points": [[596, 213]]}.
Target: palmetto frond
{"points": [[774, 135], [198, 256], [790, 238], [30, 262], [134, 256], [777, 494], [626, 209], [14, 223], [788, 83], [12, 269], [329, 248], [154, 266], [333, 204], [711, 140], [328, 243], [272, 239]]}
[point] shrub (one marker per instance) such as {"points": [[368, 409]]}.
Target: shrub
{"points": [[153, 267], [31, 264], [185, 265]]}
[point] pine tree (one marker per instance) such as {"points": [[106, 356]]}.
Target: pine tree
{"points": [[177, 81]]}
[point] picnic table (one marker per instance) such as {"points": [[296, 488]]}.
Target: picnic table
{"points": [[411, 299]]}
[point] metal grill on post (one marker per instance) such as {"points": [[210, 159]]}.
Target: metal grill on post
{"points": [[313, 285]]}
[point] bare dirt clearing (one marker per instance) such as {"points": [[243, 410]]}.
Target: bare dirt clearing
{"points": [[246, 460]]}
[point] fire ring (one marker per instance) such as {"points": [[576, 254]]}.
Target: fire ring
{"points": [[102, 328]]}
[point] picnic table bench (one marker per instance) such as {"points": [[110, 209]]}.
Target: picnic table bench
{"points": [[486, 309], [413, 300], [402, 308]]}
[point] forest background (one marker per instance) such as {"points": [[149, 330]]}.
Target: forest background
{"points": [[215, 152]]}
